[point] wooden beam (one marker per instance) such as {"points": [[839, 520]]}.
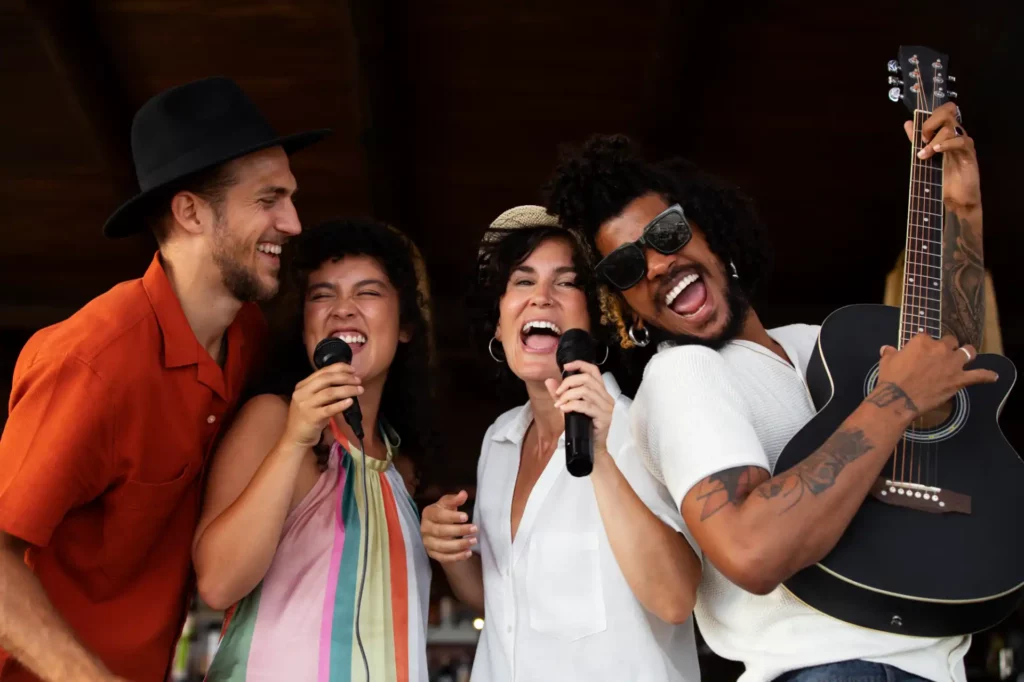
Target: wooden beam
{"points": [[70, 35]]}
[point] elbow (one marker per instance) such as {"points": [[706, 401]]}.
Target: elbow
{"points": [[214, 594], [756, 570], [678, 610]]}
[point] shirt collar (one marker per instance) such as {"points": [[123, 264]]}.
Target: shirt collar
{"points": [[515, 429], [181, 347]]}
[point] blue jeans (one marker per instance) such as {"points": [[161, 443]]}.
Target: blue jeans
{"points": [[849, 671]]}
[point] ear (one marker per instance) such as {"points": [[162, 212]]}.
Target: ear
{"points": [[404, 335], [191, 212]]}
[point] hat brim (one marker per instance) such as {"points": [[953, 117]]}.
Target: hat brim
{"points": [[127, 219]]}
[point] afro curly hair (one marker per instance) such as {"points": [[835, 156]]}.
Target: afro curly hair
{"points": [[596, 183]]}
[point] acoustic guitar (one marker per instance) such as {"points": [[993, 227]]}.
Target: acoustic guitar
{"points": [[937, 548]]}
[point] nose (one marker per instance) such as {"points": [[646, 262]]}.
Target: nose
{"points": [[288, 220], [657, 264], [542, 295], [344, 307]]}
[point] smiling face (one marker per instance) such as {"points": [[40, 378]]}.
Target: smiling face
{"points": [[541, 301], [353, 299], [252, 222], [689, 293]]}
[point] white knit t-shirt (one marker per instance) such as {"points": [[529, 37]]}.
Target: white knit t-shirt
{"points": [[700, 411]]}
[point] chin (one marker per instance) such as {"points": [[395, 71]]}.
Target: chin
{"points": [[537, 369]]}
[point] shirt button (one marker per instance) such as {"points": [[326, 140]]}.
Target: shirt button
{"points": [[211, 419]]}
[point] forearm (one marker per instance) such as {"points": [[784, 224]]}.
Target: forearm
{"points": [[963, 275], [34, 633], [817, 498], [233, 553], [466, 579], [660, 567]]}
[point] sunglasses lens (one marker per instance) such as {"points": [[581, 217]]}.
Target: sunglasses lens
{"points": [[623, 268], [669, 234]]}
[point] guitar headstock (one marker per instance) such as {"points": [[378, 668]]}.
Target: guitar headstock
{"points": [[920, 77]]}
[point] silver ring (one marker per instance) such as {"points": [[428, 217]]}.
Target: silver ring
{"points": [[966, 352], [959, 118]]}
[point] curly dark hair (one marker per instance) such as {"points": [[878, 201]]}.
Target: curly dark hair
{"points": [[408, 396], [595, 183], [485, 296]]}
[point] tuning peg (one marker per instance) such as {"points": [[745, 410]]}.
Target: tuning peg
{"points": [[951, 79], [952, 94], [895, 95], [894, 66], [895, 81]]}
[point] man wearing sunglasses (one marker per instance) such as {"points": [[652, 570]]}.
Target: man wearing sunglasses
{"points": [[682, 255]]}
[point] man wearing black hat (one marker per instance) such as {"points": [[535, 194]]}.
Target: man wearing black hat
{"points": [[114, 410]]}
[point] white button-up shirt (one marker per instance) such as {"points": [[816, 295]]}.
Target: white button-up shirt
{"points": [[556, 605]]}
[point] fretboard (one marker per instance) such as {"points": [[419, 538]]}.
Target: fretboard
{"points": [[921, 311]]}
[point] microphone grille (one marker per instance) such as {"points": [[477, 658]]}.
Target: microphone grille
{"points": [[330, 351], [575, 344]]}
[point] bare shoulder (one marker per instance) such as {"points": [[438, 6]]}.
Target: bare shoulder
{"points": [[256, 427]]}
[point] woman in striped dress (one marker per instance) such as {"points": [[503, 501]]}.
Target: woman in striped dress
{"points": [[288, 539]]}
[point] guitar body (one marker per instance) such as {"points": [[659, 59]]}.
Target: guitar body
{"points": [[906, 570]]}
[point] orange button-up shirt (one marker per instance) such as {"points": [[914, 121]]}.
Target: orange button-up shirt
{"points": [[113, 415]]}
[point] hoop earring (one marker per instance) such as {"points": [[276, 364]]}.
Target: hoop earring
{"points": [[642, 333], [490, 349], [735, 275], [606, 352]]}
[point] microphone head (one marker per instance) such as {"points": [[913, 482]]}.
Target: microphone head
{"points": [[330, 351], [575, 344]]}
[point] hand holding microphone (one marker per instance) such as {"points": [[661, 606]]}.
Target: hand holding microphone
{"points": [[583, 398], [330, 390]]}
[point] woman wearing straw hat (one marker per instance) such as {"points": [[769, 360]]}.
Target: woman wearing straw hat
{"points": [[313, 540], [578, 577]]}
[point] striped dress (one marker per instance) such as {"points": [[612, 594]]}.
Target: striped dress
{"points": [[299, 622]]}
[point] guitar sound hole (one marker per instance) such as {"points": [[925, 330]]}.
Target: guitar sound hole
{"points": [[935, 418]]}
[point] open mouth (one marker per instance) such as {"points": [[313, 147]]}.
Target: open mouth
{"points": [[355, 339], [540, 336], [689, 296], [270, 251]]}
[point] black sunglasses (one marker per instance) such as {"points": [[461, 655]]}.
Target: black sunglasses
{"points": [[627, 265]]}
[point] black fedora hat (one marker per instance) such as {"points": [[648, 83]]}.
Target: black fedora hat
{"points": [[191, 128]]}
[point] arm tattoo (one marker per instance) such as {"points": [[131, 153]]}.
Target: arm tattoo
{"points": [[963, 280], [816, 474], [887, 393], [731, 486]]}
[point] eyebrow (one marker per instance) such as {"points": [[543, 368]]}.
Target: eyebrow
{"points": [[278, 191], [558, 271], [320, 285], [364, 282]]}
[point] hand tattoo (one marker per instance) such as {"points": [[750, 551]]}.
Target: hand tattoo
{"points": [[887, 393], [963, 281]]}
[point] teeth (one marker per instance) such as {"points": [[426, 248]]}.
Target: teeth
{"points": [[540, 324], [351, 338], [680, 288], [266, 247]]}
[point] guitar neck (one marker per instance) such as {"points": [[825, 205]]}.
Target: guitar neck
{"points": [[921, 308]]}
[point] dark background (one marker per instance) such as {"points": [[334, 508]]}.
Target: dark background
{"points": [[447, 113]]}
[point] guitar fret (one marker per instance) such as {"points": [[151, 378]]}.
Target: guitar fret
{"points": [[937, 215]]}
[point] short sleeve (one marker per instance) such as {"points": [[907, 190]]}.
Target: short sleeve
{"points": [[690, 421], [56, 448]]}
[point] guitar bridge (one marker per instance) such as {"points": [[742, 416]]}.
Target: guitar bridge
{"points": [[920, 497]]}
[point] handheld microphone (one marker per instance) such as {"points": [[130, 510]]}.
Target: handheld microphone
{"points": [[577, 344], [328, 352]]}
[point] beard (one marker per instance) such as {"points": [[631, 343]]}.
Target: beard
{"points": [[738, 304], [234, 260]]}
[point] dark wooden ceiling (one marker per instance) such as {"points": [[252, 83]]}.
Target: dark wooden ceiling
{"points": [[446, 113]]}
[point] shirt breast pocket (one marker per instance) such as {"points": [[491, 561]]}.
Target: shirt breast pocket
{"points": [[564, 585]]}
